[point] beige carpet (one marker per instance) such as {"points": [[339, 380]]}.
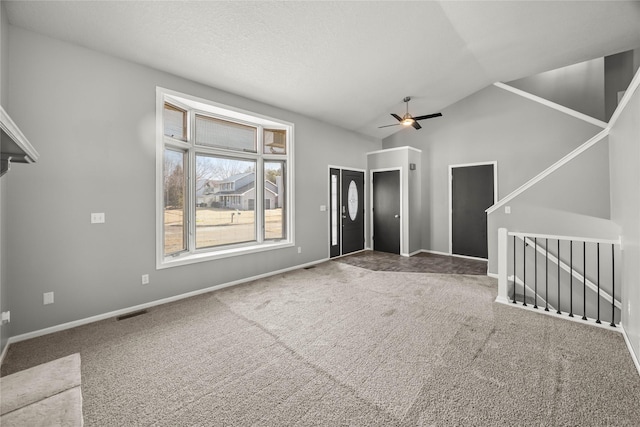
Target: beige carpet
{"points": [[45, 395], [341, 345]]}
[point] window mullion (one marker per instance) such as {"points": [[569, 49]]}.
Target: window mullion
{"points": [[190, 204], [260, 201], [192, 183], [260, 214]]}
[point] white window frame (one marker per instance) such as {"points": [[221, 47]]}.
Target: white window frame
{"points": [[225, 112]]}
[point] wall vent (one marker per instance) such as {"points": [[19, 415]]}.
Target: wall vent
{"points": [[132, 314]]}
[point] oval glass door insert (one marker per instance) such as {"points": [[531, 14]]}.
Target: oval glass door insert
{"points": [[352, 197]]}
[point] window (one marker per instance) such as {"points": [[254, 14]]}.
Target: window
{"points": [[274, 222], [175, 122], [224, 181], [275, 141], [225, 216], [214, 132], [174, 201]]}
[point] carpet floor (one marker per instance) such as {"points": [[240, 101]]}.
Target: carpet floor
{"points": [[342, 345]]}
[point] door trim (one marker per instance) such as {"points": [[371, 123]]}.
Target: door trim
{"points": [[402, 221], [327, 207], [495, 194]]}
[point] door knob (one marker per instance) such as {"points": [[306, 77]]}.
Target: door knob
{"points": [[396, 216]]}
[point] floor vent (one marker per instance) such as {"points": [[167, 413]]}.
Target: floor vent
{"points": [[130, 315]]}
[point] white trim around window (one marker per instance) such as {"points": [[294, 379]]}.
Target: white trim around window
{"points": [[190, 200]]}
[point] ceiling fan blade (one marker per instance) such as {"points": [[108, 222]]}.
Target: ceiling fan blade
{"points": [[416, 125], [398, 118], [428, 116], [386, 126]]}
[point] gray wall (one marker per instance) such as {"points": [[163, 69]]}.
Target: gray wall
{"points": [[414, 178], [624, 158], [572, 201], [619, 70], [92, 119], [523, 136], [5, 330], [4, 56], [579, 86]]}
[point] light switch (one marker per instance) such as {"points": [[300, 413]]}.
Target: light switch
{"points": [[507, 209]]}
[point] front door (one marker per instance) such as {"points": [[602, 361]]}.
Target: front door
{"points": [[346, 210], [352, 211], [472, 192], [386, 211]]}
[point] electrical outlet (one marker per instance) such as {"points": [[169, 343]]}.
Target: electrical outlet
{"points": [[47, 298], [299, 249], [6, 317], [145, 279], [97, 218], [507, 209]]}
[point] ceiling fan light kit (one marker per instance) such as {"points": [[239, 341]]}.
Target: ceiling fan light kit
{"points": [[408, 119]]}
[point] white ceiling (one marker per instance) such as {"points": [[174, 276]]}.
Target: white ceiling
{"points": [[349, 63]]}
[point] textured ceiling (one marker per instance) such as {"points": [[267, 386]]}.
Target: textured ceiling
{"points": [[348, 63]]}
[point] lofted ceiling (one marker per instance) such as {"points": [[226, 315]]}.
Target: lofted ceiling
{"points": [[349, 63]]}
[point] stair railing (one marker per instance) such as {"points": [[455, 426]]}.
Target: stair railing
{"points": [[551, 272]]}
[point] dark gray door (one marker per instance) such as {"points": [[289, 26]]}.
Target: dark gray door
{"points": [[352, 199], [386, 211], [472, 191]]}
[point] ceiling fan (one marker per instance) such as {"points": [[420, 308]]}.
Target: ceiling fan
{"points": [[408, 119]]}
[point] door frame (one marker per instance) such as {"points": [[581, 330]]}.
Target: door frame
{"points": [[327, 207], [494, 163], [402, 222]]}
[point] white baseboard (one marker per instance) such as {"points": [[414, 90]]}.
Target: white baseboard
{"points": [[454, 255], [630, 348], [344, 255], [563, 316], [502, 300], [428, 251], [551, 104], [4, 352], [494, 275], [115, 313], [80, 322]]}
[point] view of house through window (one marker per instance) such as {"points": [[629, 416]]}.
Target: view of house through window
{"points": [[225, 201], [224, 180]]}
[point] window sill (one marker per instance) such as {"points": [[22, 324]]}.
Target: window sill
{"points": [[186, 259]]}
